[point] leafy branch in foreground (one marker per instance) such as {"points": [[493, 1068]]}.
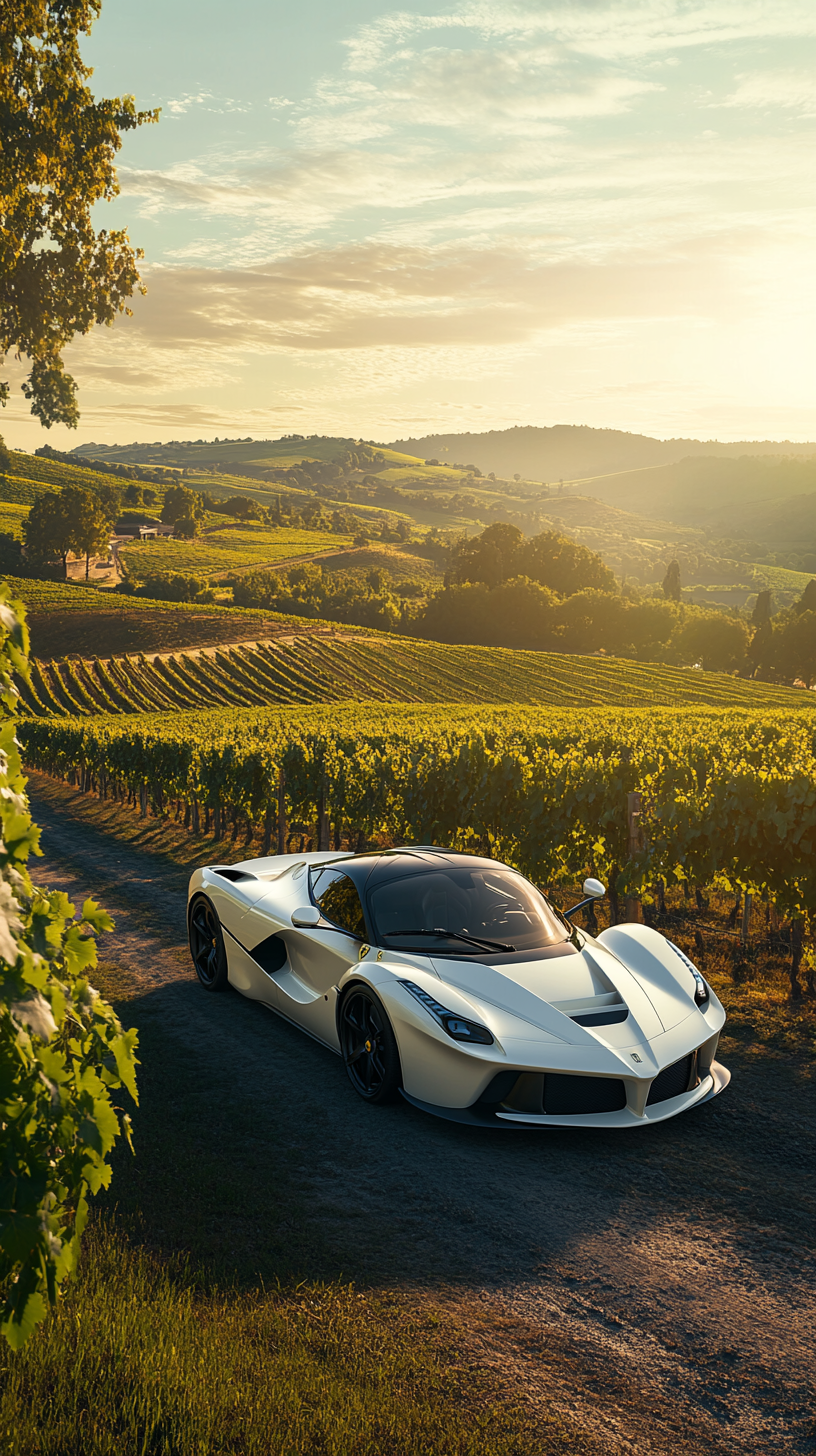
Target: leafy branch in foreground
{"points": [[58, 277], [63, 1051]]}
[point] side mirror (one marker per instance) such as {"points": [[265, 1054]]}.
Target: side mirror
{"points": [[307, 918], [593, 889]]}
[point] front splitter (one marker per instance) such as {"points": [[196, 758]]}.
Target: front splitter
{"points": [[476, 1116]]}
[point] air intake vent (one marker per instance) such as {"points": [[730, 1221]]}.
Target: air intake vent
{"points": [[270, 954], [235, 876], [566, 1096], [674, 1080]]}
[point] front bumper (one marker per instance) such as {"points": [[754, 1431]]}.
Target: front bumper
{"points": [[482, 1116]]}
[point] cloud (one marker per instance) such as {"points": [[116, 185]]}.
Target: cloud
{"points": [[611, 31], [178, 106], [792, 89], [374, 296]]}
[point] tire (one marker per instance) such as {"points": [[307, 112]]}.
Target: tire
{"points": [[369, 1046], [207, 945]]}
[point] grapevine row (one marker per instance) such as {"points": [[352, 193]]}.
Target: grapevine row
{"points": [[728, 794], [315, 669]]}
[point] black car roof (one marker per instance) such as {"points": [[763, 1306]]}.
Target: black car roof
{"points": [[401, 860]]}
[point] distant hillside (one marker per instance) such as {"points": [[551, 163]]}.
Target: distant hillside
{"points": [[569, 452], [750, 495]]}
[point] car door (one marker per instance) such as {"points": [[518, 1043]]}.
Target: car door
{"points": [[319, 957]]}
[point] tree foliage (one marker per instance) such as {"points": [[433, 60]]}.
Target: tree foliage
{"points": [[63, 1052], [501, 553], [243, 507], [58, 277], [181, 504], [71, 520], [672, 588]]}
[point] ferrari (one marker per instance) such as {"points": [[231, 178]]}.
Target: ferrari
{"points": [[453, 981]]}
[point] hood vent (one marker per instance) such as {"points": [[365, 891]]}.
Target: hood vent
{"points": [[610, 1016], [604, 1010]]}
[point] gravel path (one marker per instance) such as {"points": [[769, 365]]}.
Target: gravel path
{"points": [[655, 1285]]}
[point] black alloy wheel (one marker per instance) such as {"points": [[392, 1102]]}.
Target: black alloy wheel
{"points": [[369, 1046], [207, 946]]}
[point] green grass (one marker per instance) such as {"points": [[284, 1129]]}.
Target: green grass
{"points": [[145, 1357], [228, 549]]}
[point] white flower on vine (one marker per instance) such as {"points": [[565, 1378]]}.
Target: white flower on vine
{"points": [[10, 924], [18, 801], [13, 877], [35, 1014]]}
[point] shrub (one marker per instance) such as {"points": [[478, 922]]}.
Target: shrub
{"points": [[62, 1048]]}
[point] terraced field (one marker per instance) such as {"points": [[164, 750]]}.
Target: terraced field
{"points": [[71, 620], [339, 668], [228, 549]]}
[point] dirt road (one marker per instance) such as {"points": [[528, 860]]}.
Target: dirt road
{"points": [[657, 1285]]}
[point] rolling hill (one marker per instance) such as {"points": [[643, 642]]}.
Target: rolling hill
{"points": [[569, 452]]}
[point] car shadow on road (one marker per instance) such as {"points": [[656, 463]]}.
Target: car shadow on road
{"points": [[255, 1155]]}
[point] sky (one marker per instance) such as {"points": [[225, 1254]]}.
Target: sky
{"points": [[379, 222]]}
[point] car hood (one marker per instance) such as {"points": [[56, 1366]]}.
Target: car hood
{"points": [[549, 993]]}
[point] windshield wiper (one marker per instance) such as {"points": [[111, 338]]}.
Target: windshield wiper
{"points": [[451, 935]]}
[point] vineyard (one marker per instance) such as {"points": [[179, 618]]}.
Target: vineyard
{"points": [[728, 794], [11, 518], [228, 549], [37, 472], [322, 668]]}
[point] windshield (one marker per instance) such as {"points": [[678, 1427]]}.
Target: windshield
{"points": [[441, 910]]}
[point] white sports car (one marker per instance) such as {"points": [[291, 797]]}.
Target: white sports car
{"points": [[452, 980]]}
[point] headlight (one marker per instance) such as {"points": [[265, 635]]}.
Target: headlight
{"points": [[456, 1026], [701, 991]]}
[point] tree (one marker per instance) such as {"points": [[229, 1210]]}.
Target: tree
{"points": [[489, 558], [173, 586], [185, 528], [501, 553], [72, 520], [109, 495], [565, 567], [11, 555], [5, 458], [760, 648], [794, 647], [58, 277], [517, 613], [47, 530], [90, 533], [62, 1048], [241, 506], [807, 601], [179, 502], [672, 589], [718, 642]]}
